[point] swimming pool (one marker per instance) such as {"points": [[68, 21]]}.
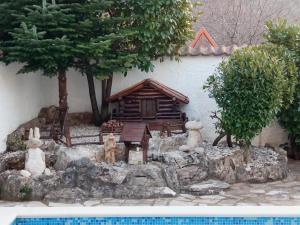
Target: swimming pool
{"points": [[160, 221]]}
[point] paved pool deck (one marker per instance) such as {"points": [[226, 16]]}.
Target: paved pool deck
{"points": [[278, 193]]}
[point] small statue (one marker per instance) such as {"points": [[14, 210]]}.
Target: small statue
{"points": [[35, 158], [34, 138], [35, 162], [110, 147], [194, 139], [37, 134]]}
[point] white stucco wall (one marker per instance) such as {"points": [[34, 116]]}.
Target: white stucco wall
{"points": [[20, 100], [188, 77], [78, 92], [22, 96]]}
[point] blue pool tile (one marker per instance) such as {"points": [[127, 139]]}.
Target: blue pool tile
{"points": [[159, 221]]}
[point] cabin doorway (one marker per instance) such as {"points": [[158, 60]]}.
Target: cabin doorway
{"points": [[148, 108]]}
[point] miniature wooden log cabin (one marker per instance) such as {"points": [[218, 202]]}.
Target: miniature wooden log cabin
{"points": [[136, 134], [151, 102]]}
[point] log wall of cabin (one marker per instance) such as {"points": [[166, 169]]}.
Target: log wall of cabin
{"points": [[132, 106]]}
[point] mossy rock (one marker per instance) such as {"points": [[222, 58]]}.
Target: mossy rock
{"points": [[15, 141]]}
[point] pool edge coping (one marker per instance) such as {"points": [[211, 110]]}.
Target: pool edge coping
{"points": [[9, 214]]}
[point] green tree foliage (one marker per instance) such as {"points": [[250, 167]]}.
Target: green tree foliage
{"points": [[41, 41], [8, 11], [251, 87], [282, 34], [98, 38], [139, 31]]}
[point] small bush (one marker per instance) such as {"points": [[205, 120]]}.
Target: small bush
{"points": [[251, 87]]}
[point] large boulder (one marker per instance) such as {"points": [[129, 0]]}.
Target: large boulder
{"points": [[13, 186], [48, 113], [67, 155], [12, 161], [224, 161], [118, 181], [144, 181], [264, 164], [159, 145], [15, 141], [182, 169], [16, 187], [235, 164], [148, 175], [86, 175]]}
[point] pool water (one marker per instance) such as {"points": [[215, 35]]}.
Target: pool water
{"points": [[159, 221]]}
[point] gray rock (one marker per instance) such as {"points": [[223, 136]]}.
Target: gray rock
{"points": [[148, 175], [184, 169], [15, 187], [234, 165], [67, 155], [42, 185], [67, 195], [12, 160], [15, 141], [113, 174], [86, 175], [158, 145], [209, 187], [120, 181], [12, 183], [263, 165], [48, 113], [224, 161], [50, 158]]}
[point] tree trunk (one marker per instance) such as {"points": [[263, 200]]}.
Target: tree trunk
{"points": [[93, 98], [219, 138], [106, 92], [229, 141], [246, 152], [63, 106], [63, 97]]}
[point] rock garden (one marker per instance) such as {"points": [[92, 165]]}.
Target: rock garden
{"points": [[129, 161], [43, 170]]}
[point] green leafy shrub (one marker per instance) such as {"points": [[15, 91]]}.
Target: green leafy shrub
{"points": [[251, 87], [282, 34]]}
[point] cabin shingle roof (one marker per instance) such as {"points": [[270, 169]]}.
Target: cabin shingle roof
{"points": [[156, 85], [134, 132]]}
